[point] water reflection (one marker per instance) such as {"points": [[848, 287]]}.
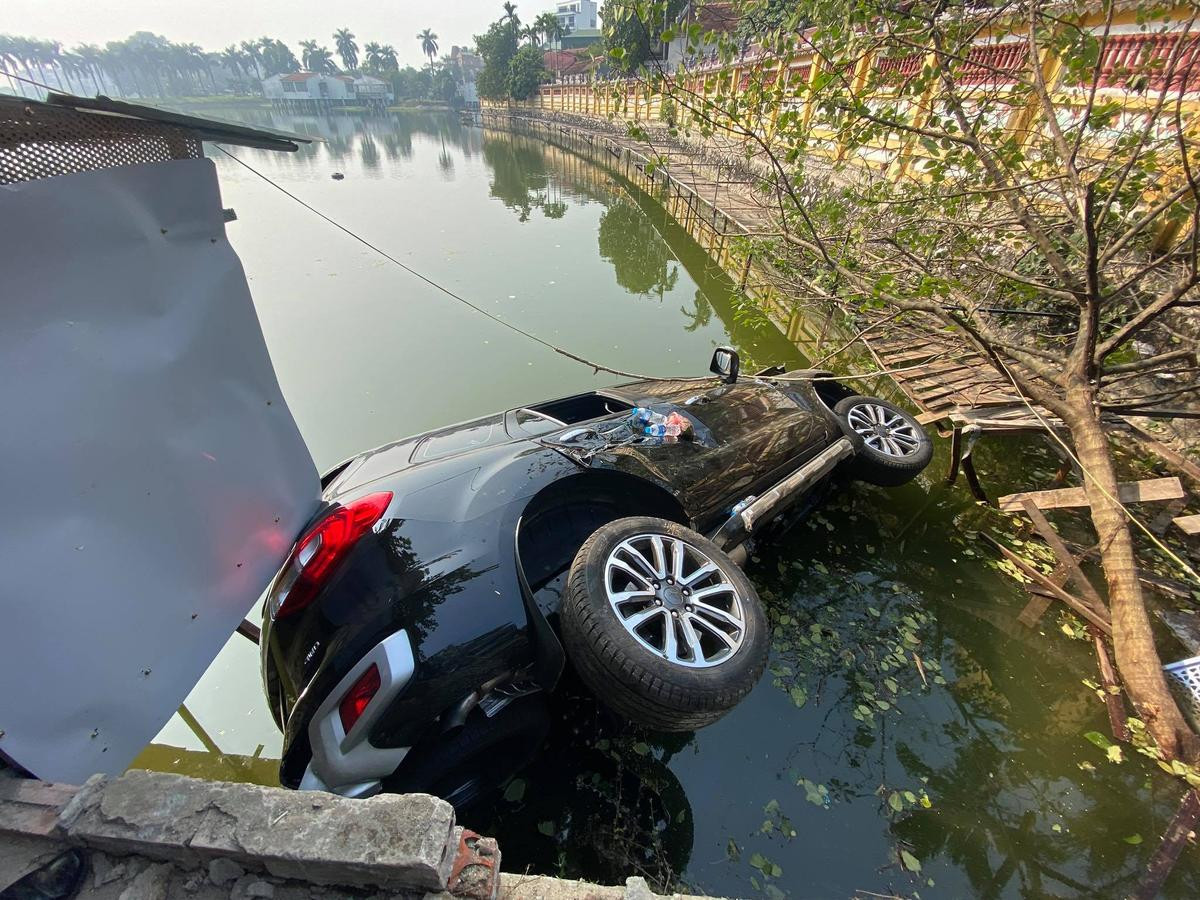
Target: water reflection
{"points": [[643, 262]]}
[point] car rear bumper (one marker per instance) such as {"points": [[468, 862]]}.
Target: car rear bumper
{"points": [[348, 763]]}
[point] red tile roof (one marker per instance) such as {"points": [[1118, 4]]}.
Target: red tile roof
{"points": [[566, 62], [304, 76], [719, 17]]}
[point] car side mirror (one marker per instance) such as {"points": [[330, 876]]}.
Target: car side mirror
{"points": [[726, 364]]}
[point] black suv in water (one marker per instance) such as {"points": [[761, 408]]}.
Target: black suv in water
{"points": [[411, 635]]}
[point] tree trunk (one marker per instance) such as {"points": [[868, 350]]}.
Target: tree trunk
{"points": [[1133, 640]]}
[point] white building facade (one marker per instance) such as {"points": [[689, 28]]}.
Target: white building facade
{"points": [[576, 14], [309, 87]]}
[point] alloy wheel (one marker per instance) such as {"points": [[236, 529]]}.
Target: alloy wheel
{"points": [[675, 600], [884, 430]]}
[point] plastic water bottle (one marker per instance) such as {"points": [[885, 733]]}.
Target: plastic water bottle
{"points": [[663, 430]]}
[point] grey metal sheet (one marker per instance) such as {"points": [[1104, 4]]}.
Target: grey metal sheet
{"points": [[152, 475]]}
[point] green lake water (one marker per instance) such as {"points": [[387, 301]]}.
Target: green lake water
{"points": [[911, 737]]}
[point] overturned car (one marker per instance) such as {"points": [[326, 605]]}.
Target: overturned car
{"points": [[413, 632]]}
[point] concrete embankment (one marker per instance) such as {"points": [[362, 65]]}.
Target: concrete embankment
{"points": [[152, 836]]}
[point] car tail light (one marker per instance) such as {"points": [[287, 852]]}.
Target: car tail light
{"points": [[319, 551], [356, 699]]}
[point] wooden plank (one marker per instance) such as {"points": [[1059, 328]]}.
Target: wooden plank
{"points": [[1169, 849], [933, 375], [1035, 609], [29, 807], [1108, 680], [1070, 600], [1039, 600], [1064, 556], [910, 355], [1148, 491], [1187, 524], [1167, 454]]}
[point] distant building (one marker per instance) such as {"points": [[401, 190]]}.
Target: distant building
{"points": [[580, 38], [717, 17], [309, 89], [372, 91], [466, 65], [568, 66], [577, 14]]}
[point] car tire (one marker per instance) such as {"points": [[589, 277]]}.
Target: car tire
{"points": [[895, 448], [626, 657]]}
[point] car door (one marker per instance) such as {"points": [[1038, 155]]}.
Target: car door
{"points": [[748, 436]]}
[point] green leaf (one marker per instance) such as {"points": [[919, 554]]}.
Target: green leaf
{"points": [[515, 790], [733, 851], [1134, 839], [547, 828], [798, 694], [760, 862], [895, 802], [1098, 739], [910, 862], [641, 748]]}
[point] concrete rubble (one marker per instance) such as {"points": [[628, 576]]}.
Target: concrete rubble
{"points": [[153, 836]]}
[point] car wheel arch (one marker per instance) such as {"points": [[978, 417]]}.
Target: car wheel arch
{"points": [[601, 496]]}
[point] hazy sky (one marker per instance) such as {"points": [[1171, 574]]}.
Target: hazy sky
{"points": [[214, 24]]}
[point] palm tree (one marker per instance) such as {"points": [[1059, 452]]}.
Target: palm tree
{"points": [[429, 45], [10, 58], [113, 61], [547, 23], [90, 56], [531, 34], [307, 49], [321, 60], [374, 60], [346, 48], [231, 59], [253, 52], [387, 54], [510, 14], [277, 57]]}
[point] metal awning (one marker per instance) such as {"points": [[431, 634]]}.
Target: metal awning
{"points": [[206, 129]]}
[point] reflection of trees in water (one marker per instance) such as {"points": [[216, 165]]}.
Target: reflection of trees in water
{"points": [[410, 581], [369, 151], [641, 259], [396, 144], [700, 313], [977, 770], [599, 803], [520, 179]]}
